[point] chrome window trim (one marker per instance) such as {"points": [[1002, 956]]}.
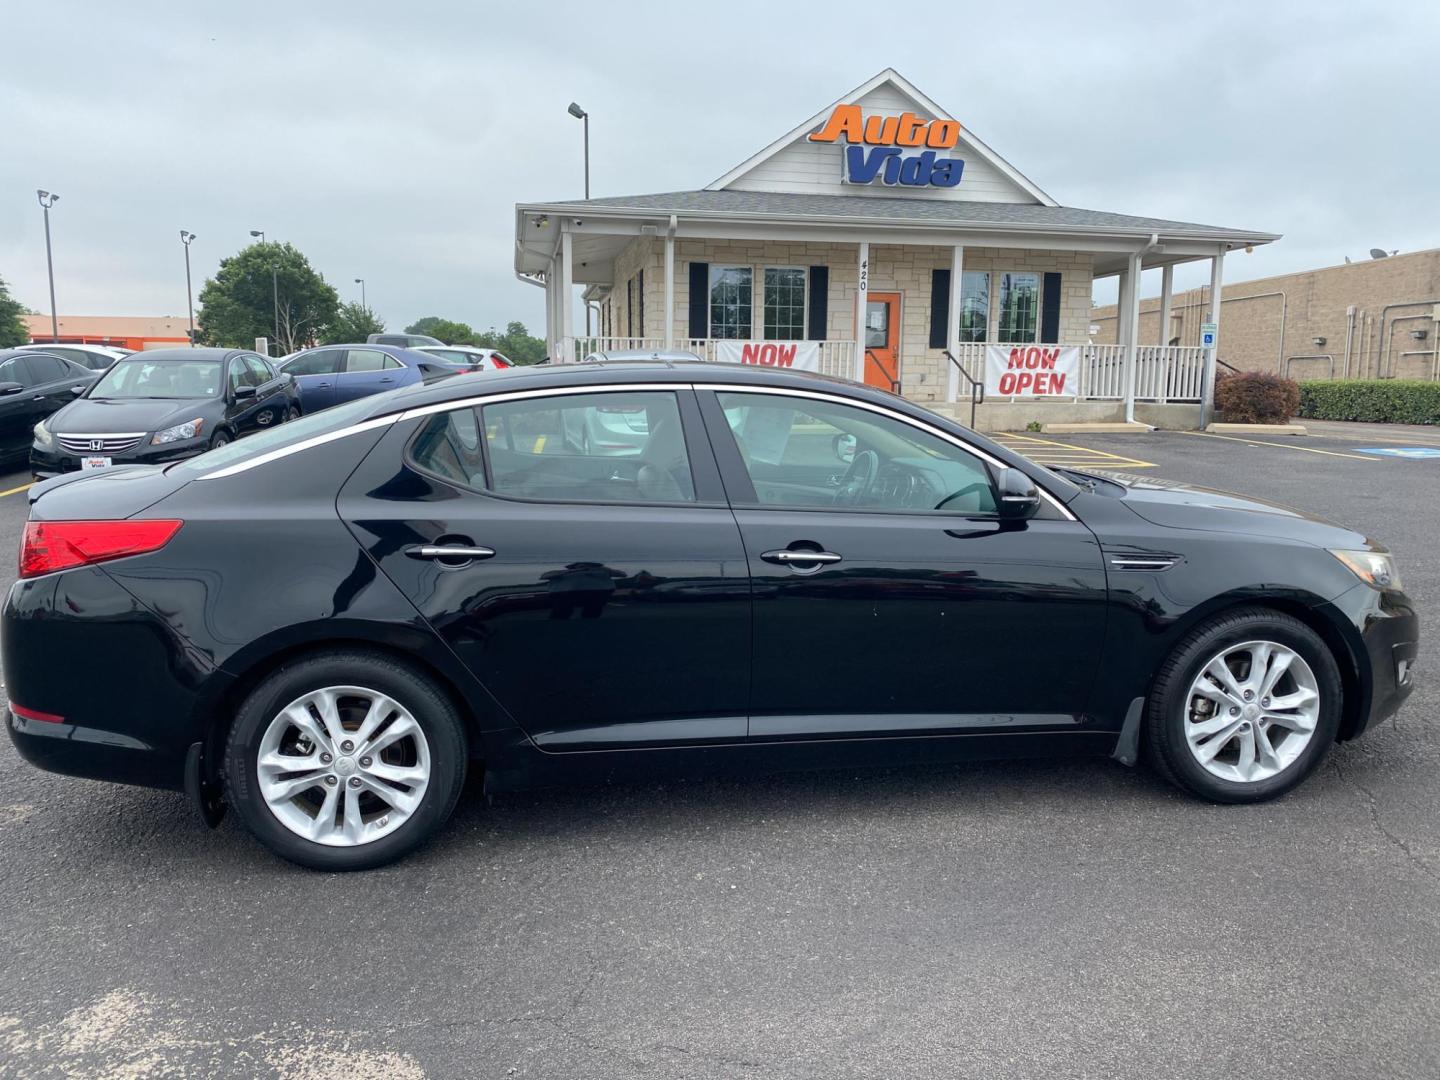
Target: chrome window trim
{"points": [[841, 399], [548, 391], [303, 444]]}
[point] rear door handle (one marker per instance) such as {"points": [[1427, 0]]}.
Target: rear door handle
{"points": [[449, 551], [787, 556]]}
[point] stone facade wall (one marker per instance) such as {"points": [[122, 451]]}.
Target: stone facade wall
{"points": [[1316, 305], [904, 269]]}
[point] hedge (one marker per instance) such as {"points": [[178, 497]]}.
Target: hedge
{"points": [[1376, 401]]}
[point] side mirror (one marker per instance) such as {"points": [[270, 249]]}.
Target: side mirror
{"points": [[242, 392], [1019, 498], [7, 388], [77, 390], [844, 446]]}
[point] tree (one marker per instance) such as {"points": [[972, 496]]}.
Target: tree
{"points": [[237, 304], [516, 343], [13, 330], [451, 333], [352, 323]]}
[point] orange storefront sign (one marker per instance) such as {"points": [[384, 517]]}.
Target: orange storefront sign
{"points": [[876, 148]]}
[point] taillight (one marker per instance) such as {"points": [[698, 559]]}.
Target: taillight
{"points": [[61, 545], [500, 365], [35, 714]]}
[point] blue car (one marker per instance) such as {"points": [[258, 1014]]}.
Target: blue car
{"points": [[332, 374]]}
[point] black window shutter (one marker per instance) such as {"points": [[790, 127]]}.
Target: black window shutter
{"points": [[699, 300], [819, 301], [640, 289], [940, 308], [1050, 310]]}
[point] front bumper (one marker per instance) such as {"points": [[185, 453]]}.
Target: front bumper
{"points": [[47, 462], [1389, 637]]}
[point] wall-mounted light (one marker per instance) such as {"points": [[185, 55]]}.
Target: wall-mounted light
{"points": [[1318, 341], [1418, 335]]}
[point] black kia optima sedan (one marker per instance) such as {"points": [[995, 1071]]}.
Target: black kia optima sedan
{"points": [[164, 405], [326, 626]]}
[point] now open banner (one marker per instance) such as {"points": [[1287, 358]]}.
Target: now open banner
{"points": [[1032, 370], [797, 355]]}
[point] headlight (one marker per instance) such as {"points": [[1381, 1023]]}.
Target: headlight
{"points": [[188, 430], [42, 435], [1375, 568]]}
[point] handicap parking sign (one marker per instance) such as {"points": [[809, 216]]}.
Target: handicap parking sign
{"points": [[1208, 332], [1404, 451]]}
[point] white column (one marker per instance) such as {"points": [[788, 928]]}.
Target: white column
{"points": [[567, 299], [1207, 391], [670, 286], [1122, 306], [862, 294], [1167, 288], [1132, 331], [550, 312], [952, 331]]}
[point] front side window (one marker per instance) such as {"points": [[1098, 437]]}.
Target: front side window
{"points": [[136, 377], [605, 447], [807, 454], [257, 373], [784, 303], [321, 362], [731, 301], [974, 305], [1019, 307]]}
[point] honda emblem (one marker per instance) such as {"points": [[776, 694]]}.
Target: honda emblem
{"points": [[97, 444]]}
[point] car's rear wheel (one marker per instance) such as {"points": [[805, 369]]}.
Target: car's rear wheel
{"points": [[345, 761], [1245, 707]]}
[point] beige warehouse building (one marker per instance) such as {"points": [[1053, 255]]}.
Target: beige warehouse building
{"points": [[1375, 319]]}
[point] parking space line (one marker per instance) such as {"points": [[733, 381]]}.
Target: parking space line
{"points": [[1050, 452], [1278, 445], [16, 490]]}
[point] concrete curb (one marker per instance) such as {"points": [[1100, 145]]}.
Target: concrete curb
{"points": [[1258, 429], [1097, 427]]}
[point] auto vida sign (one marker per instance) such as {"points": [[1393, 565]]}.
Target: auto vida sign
{"points": [[896, 150], [1031, 370]]}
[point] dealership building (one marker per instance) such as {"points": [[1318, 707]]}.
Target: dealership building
{"points": [[879, 240]]}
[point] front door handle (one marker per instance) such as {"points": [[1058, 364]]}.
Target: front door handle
{"points": [[788, 556], [449, 551]]}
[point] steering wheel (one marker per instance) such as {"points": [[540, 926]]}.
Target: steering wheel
{"points": [[968, 490], [858, 478]]}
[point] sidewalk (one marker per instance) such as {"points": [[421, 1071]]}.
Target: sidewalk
{"points": [[1375, 434]]}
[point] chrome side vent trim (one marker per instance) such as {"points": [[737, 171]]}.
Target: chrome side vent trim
{"points": [[1151, 563]]}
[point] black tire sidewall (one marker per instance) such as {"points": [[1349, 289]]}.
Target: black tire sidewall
{"points": [[432, 711], [221, 438], [1195, 652]]}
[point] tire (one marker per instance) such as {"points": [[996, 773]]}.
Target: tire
{"points": [[1176, 721], [220, 439], [435, 747], [292, 413]]}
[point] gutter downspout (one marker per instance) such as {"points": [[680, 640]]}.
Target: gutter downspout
{"points": [[1132, 316]]}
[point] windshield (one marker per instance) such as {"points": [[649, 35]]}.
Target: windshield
{"points": [[307, 427], [140, 378]]}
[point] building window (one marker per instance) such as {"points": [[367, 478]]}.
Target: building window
{"points": [[731, 292], [1019, 307], [974, 305], [784, 303]]}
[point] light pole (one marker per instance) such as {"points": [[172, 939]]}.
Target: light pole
{"points": [[580, 114], [274, 285], [361, 282], [185, 237], [48, 200]]}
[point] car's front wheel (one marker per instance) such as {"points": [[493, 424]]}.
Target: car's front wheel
{"points": [[345, 761], [1245, 707]]}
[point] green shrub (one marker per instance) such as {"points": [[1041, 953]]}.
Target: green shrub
{"points": [[1251, 397], [1376, 401]]}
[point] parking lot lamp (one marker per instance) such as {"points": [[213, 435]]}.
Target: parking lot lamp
{"points": [[47, 200], [185, 237], [274, 284], [583, 116], [361, 282]]}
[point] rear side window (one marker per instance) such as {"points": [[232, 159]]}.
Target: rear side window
{"points": [[366, 360], [618, 447]]}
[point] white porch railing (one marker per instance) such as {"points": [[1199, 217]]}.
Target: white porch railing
{"points": [[1163, 373], [836, 357]]}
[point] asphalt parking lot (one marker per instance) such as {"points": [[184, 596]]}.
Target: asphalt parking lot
{"points": [[1034, 919]]}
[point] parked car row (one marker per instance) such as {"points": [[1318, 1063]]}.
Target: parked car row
{"points": [[89, 408]]}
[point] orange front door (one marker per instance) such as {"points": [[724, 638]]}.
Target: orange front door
{"points": [[882, 340]]}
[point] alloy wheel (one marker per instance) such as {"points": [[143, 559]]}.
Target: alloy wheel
{"points": [[1251, 711], [343, 766]]}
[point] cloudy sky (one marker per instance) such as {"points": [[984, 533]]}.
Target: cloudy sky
{"points": [[390, 141]]}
